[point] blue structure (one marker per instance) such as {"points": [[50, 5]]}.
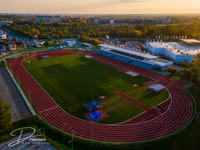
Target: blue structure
{"points": [[146, 64], [95, 115], [45, 57], [92, 106], [157, 87], [178, 53]]}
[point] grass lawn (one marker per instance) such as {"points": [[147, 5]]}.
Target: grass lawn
{"points": [[152, 99], [71, 79], [122, 113], [138, 92], [111, 103]]}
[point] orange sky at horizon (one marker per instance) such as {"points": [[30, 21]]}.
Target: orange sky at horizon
{"points": [[100, 6]]}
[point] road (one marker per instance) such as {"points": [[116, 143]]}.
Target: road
{"points": [[10, 94]]}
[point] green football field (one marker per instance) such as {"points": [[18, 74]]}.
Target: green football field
{"points": [[72, 79]]}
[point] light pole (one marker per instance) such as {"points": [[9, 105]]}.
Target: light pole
{"points": [[72, 140]]}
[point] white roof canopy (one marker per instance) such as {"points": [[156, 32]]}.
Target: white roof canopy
{"points": [[132, 52]]}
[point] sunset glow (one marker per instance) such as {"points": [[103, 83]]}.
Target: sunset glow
{"points": [[100, 6]]}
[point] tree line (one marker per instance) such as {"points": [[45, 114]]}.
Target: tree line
{"points": [[191, 72], [84, 28]]}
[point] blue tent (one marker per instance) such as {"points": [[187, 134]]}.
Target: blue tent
{"points": [[93, 105], [157, 87], [94, 116]]}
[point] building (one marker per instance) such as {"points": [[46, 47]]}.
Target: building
{"points": [[3, 35], [70, 42], [175, 51], [88, 45], [7, 46], [191, 41], [5, 22], [28, 19], [104, 21], [112, 21], [165, 20], [96, 21], [134, 57], [48, 19]]}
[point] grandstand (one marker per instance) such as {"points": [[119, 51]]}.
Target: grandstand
{"points": [[175, 51], [134, 57]]}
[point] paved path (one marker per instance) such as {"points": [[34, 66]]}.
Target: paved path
{"points": [[132, 100], [10, 95]]}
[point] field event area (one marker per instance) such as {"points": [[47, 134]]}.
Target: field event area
{"points": [[75, 80]]}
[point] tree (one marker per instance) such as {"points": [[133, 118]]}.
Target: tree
{"points": [[5, 116], [196, 68], [193, 72], [173, 71]]}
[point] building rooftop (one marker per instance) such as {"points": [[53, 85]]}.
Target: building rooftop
{"points": [[128, 51], [191, 41], [176, 48]]}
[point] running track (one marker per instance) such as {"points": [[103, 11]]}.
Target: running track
{"points": [[178, 114]]}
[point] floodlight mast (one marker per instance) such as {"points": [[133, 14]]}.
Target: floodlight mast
{"points": [[92, 95]]}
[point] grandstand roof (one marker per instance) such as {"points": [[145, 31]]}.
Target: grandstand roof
{"points": [[132, 52], [176, 48]]}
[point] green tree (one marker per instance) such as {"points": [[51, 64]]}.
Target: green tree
{"points": [[193, 72], [173, 71], [196, 68], [5, 116]]}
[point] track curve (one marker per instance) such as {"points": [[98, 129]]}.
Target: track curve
{"points": [[174, 118]]}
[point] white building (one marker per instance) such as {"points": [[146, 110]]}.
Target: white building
{"points": [[3, 35], [104, 21], [5, 22], [96, 21], [48, 19], [174, 50], [112, 21]]}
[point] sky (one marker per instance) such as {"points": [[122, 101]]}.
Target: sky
{"points": [[101, 6]]}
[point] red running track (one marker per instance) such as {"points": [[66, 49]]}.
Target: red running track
{"points": [[176, 116]]}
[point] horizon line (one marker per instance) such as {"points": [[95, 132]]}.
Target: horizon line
{"points": [[28, 13]]}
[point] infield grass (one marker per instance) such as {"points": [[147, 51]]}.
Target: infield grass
{"points": [[72, 79]]}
